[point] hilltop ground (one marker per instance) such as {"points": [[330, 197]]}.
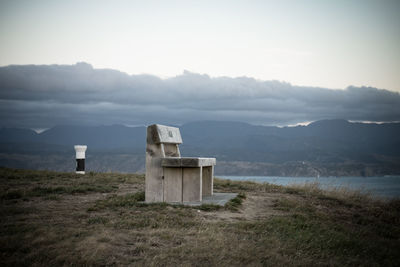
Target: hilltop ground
{"points": [[50, 218]]}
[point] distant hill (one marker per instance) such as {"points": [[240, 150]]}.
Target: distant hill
{"points": [[17, 135], [328, 147], [322, 141]]}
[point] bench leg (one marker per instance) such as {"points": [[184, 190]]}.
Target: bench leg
{"points": [[208, 180], [192, 184]]}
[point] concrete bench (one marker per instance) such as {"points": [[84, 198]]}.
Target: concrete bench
{"points": [[170, 177]]}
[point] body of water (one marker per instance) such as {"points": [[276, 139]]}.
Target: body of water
{"points": [[387, 186]]}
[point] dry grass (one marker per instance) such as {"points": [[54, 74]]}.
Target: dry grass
{"points": [[50, 218]]}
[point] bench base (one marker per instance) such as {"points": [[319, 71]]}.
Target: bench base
{"points": [[187, 184]]}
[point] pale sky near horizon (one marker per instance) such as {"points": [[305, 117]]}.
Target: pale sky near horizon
{"points": [[330, 44]]}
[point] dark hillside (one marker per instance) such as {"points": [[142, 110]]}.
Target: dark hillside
{"points": [[321, 147]]}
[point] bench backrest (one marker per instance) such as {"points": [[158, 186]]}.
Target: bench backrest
{"points": [[161, 134]]}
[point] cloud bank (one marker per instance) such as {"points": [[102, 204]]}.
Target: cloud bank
{"points": [[43, 96]]}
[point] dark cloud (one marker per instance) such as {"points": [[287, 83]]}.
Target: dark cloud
{"points": [[44, 96]]}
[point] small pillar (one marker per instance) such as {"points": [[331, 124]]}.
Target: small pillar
{"points": [[80, 158]]}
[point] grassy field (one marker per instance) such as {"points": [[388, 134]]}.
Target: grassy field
{"points": [[51, 218]]}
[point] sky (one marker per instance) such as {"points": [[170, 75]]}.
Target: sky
{"points": [[44, 96], [330, 44]]}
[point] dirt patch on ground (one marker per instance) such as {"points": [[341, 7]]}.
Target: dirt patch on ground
{"points": [[256, 206]]}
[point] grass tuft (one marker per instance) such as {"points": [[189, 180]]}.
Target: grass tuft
{"points": [[98, 220], [115, 201], [208, 207], [235, 203], [14, 194]]}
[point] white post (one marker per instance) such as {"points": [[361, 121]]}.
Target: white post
{"points": [[80, 158]]}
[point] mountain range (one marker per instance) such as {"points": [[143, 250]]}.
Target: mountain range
{"points": [[326, 148]]}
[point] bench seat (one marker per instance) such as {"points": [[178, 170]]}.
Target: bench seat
{"points": [[181, 162]]}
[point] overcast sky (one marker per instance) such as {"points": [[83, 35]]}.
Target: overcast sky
{"points": [[331, 44], [49, 95]]}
